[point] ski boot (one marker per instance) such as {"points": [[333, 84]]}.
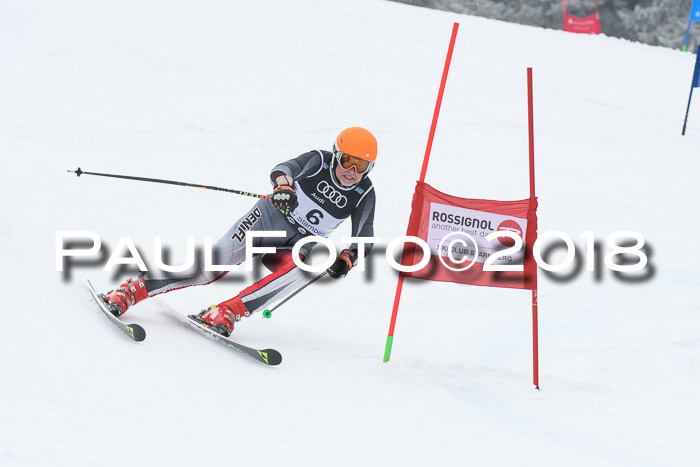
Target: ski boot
{"points": [[128, 294], [222, 317]]}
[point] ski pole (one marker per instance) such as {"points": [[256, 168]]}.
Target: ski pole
{"points": [[268, 313], [170, 182]]}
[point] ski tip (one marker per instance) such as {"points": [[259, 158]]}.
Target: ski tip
{"points": [[270, 356], [137, 332]]}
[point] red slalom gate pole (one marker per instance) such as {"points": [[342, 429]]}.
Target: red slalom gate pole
{"points": [[531, 137], [424, 169]]}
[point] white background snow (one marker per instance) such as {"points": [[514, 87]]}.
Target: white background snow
{"points": [[218, 92]]}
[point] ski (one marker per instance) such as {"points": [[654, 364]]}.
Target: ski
{"points": [[136, 332], [269, 357]]}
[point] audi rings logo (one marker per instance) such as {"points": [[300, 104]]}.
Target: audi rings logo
{"points": [[333, 195]]}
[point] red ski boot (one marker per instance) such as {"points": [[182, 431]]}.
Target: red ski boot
{"points": [[223, 316], [128, 294]]}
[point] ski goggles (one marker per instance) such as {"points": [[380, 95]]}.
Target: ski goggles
{"points": [[347, 161]]}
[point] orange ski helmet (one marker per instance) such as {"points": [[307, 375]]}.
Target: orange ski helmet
{"points": [[356, 147]]}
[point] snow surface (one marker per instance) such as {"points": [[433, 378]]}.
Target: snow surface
{"points": [[218, 92]]}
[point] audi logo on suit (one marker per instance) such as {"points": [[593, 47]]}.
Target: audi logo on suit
{"points": [[332, 194]]}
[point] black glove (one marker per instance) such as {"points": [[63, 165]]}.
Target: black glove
{"points": [[284, 198], [343, 263]]}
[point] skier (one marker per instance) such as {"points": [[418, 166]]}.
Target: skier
{"points": [[312, 195]]}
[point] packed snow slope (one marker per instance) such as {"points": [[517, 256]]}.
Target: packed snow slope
{"points": [[217, 92]]}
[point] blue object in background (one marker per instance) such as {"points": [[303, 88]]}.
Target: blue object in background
{"points": [[694, 84], [694, 16]]}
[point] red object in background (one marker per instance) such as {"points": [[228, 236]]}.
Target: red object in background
{"points": [[587, 25]]}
